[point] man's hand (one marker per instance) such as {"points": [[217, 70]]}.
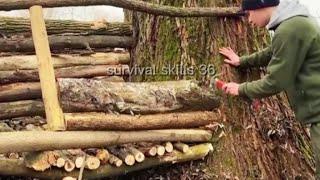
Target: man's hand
{"points": [[231, 88], [233, 58]]}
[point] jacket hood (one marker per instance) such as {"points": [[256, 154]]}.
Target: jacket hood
{"points": [[285, 10]]}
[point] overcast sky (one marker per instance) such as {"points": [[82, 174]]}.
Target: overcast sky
{"points": [[314, 7], [112, 14]]}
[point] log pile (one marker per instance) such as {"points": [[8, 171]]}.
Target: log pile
{"points": [[65, 36], [17, 166], [113, 126], [92, 159]]}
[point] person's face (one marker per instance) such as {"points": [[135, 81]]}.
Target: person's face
{"points": [[258, 17]]}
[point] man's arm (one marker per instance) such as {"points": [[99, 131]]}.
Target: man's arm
{"points": [[258, 59], [289, 52]]}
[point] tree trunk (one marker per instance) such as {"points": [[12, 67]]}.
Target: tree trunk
{"points": [[25, 141], [20, 26], [67, 42], [7, 77], [127, 4], [264, 144], [13, 63], [17, 167], [99, 121]]}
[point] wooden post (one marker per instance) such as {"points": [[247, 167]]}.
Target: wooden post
{"points": [[53, 110]]}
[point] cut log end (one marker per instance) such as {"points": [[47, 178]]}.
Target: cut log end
{"points": [[150, 152], [160, 150], [79, 162], [129, 160], [138, 155], [69, 166], [13, 156], [118, 163], [92, 163], [182, 147], [61, 162], [168, 146], [69, 178]]}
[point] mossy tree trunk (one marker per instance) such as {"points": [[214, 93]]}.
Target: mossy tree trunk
{"points": [[267, 144]]}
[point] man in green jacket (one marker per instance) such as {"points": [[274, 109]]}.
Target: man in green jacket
{"points": [[292, 60]]}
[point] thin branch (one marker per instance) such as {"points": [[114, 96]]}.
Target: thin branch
{"points": [[127, 4]]}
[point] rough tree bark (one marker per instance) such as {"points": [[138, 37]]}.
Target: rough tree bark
{"points": [[67, 42], [264, 144], [127, 4], [20, 26]]}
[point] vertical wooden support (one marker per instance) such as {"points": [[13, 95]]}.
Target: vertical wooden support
{"points": [[54, 114]]}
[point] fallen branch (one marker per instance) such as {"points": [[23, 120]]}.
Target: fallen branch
{"points": [[127, 4], [17, 168], [25, 141]]}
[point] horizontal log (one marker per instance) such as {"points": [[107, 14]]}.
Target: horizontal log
{"points": [[101, 121], [21, 109], [10, 26], [127, 4], [12, 63], [86, 95], [90, 71], [20, 91], [17, 167], [25, 141], [67, 42]]}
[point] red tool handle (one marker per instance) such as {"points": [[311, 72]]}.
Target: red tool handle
{"points": [[219, 84], [256, 104]]}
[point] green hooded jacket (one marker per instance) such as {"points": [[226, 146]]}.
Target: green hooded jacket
{"points": [[292, 60]]}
